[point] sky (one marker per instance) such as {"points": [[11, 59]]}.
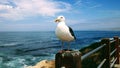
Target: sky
{"points": [[39, 15]]}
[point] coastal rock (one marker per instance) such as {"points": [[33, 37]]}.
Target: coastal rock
{"points": [[44, 64]]}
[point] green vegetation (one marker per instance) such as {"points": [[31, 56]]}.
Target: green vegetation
{"points": [[95, 59]]}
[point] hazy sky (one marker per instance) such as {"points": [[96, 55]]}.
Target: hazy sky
{"points": [[39, 15]]}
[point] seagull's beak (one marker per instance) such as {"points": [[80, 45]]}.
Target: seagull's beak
{"points": [[57, 20]]}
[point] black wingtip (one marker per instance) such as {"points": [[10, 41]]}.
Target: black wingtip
{"points": [[75, 38], [72, 33]]}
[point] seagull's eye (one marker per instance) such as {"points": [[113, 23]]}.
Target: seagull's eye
{"points": [[61, 17]]}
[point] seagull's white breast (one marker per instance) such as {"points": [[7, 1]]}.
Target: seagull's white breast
{"points": [[63, 33]]}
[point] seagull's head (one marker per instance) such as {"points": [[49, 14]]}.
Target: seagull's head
{"points": [[60, 19]]}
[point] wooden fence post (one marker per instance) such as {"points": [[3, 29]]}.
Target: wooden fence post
{"points": [[106, 50], [117, 47], [68, 59]]}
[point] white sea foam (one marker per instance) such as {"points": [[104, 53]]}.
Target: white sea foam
{"points": [[1, 60], [10, 64], [16, 63], [11, 44], [111, 38]]}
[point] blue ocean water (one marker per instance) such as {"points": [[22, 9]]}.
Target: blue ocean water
{"points": [[20, 49]]}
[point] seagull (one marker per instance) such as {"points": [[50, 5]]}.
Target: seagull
{"points": [[64, 32]]}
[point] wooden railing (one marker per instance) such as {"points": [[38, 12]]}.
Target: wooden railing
{"points": [[111, 55], [107, 62]]}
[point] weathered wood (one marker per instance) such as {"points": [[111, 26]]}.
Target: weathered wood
{"points": [[68, 59], [73, 59], [106, 50], [117, 47]]}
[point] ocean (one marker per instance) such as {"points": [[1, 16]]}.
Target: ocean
{"points": [[21, 49]]}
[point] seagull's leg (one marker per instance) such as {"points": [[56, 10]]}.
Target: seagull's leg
{"points": [[62, 45], [68, 46]]}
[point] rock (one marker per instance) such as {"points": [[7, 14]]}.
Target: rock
{"points": [[44, 64]]}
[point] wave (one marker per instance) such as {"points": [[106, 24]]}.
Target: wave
{"points": [[13, 44], [42, 48], [35, 51]]}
